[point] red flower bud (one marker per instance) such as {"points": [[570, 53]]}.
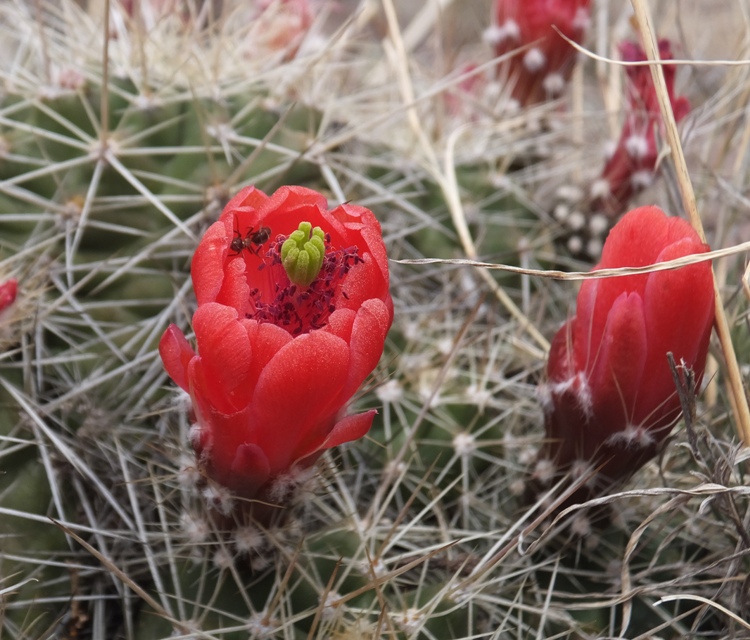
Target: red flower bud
{"points": [[540, 72], [632, 166], [278, 362], [610, 398]]}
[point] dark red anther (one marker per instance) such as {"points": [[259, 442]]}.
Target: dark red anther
{"points": [[301, 310]]}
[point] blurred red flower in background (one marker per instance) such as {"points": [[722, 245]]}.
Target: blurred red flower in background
{"points": [[632, 165], [282, 25], [278, 362], [610, 398], [541, 71], [8, 292]]}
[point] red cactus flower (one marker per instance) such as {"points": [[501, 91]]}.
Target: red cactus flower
{"points": [[293, 310], [281, 25], [610, 399], [632, 166], [540, 72]]}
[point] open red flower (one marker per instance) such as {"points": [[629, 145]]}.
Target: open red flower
{"points": [[278, 360], [610, 398], [540, 72]]}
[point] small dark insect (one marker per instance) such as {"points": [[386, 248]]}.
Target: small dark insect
{"points": [[237, 243], [252, 240], [258, 238]]}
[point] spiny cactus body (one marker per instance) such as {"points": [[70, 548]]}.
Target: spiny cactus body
{"points": [[107, 182]]}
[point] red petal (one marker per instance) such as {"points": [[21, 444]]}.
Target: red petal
{"points": [[225, 356], [637, 240], [288, 206], [373, 238], [296, 396], [200, 393], [291, 197], [594, 302], [679, 308], [560, 365], [348, 429], [8, 291], [176, 353], [247, 199], [235, 291], [366, 345], [363, 230], [340, 323], [640, 236], [207, 268], [364, 281], [617, 375], [248, 473], [226, 452], [266, 340]]}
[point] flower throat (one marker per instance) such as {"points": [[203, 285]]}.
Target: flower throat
{"points": [[296, 308]]}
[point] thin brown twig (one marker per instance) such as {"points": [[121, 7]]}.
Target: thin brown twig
{"points": [[674, 62], [555, 274]]}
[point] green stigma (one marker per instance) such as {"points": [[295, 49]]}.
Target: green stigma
{"points": [[302, 254]]}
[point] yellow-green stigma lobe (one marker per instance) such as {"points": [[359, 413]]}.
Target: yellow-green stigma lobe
{"points": [[302, 254]]}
